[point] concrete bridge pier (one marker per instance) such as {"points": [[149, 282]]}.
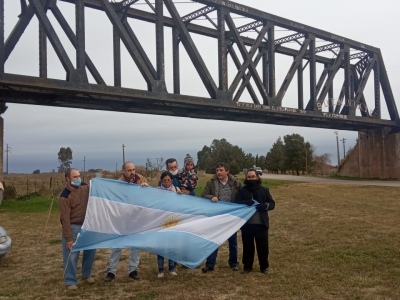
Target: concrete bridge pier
{"points": [[376, 155]]}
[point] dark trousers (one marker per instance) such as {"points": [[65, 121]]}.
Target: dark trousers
{"points": [[233, 254], [259, 234]]}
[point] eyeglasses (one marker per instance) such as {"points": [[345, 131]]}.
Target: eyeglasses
{"points": [[252, 177]]}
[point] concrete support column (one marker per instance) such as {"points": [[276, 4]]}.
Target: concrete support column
{"points": [[376, 155]]}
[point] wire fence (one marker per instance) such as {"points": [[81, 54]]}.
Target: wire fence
{"points": [[16, 186]]}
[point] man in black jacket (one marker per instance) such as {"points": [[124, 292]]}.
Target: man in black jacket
{"points": [[256, 228]]}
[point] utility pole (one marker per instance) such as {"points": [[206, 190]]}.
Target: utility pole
{"points": [[123, 153], [84, 163], [8, 150], [116, 167], [337, 148], [343, 140], [157, 166], [305, 147]]}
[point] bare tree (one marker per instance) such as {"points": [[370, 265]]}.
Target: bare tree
{"points": [[321, 162]]}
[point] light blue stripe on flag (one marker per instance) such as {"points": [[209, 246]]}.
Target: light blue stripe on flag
{"points": [[183, 228]]}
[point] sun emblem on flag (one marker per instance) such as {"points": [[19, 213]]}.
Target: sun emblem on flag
{"points": [[170, 221]]}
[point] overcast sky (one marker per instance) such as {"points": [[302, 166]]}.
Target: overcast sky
{"points": [[36, 133]]}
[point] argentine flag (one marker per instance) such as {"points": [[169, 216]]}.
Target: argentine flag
{"points": [[183, 228]]}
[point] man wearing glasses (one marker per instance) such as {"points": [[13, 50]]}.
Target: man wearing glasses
{"points": [[128, 175], [256, 228]]}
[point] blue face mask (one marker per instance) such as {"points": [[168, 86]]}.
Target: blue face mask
{"points": [[76, 182]]}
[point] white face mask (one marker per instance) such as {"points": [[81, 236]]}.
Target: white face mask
{"points": [[174, 172]]}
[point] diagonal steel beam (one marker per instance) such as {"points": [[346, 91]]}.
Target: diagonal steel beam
{"points": [[40, 12], [331, 75], [363, 81], [292, 70], [16, 33], [362, 103], [192, 51], [237, 63], [2, 58], [123, 5], [198, 13], [289, 38], [327, 47], [130, 46], [72, 38], [250, 26], [377, 91], [142, 53], [246, 82], [247, 57], [387, 90]]}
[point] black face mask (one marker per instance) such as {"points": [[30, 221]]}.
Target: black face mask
{"points": [[252, 183]]}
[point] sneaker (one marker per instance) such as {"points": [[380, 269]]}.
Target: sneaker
{"points": [[72, 287], [264, 271], [235, 269], [134, 275], [160, 274], [89, 280], [109, 277], [173, 273], [207, 269]]}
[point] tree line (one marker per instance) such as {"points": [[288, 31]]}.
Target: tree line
{"points": [[292, 154]]}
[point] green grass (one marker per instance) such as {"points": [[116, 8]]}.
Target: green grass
{"points": [[270, 183], [327, 242], [29, 203]]}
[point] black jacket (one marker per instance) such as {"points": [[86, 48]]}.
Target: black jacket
{"points": [[259, 193]]}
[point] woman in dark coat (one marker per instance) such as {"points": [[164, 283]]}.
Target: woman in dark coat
{"points": [[256, 228]]}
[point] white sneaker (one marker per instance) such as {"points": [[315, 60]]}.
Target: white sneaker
{"points": [[160, 275], [173, 273]]}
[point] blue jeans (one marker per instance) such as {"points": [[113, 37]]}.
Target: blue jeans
{"points": [[70, 259], [233, 254], [116, 255], [160, 261]]}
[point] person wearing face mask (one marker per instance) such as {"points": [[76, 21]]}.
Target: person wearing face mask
{"points": [[129, 175], [256, 228], [172, 167], [72, 205]]}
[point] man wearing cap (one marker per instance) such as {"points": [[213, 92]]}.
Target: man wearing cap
{"points": [[128, 175]]}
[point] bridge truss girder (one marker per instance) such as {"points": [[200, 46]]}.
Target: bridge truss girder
{"points": [[356, 61]]}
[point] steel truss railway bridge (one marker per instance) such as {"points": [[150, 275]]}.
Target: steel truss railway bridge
{"points": [[327, 74]]}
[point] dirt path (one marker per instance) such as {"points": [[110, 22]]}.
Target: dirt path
{"points": [[330, 180]]}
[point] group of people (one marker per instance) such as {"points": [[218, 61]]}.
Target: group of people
{"points": [[223, 186]]}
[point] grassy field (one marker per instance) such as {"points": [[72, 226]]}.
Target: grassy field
{"points": [[326, 242]]}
